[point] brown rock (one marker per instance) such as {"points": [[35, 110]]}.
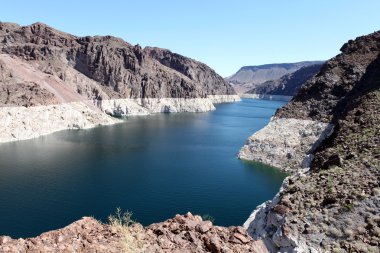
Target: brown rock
{"points": [[280, 209], [239, 238], [204, 227], [213, 244], [4, 239]]}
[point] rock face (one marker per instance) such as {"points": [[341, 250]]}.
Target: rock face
{"points": [[85, 235], [41, 66], [249, 76], [184, 233], [287, 85], [119, 69], [333, 204], [286, 143], [341, 79], [146, 106], [24, 123]]}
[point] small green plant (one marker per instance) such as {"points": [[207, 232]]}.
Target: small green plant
{"points": [[348, 207]]}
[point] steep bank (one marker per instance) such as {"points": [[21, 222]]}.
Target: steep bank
{"points": [[332, 200], [286, 143], [41, 67]]}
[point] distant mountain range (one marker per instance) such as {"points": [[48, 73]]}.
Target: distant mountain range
{"points": [[249, 76], [287, 85]]}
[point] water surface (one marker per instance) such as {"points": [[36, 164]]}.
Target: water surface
{"points": [[155, 166]]}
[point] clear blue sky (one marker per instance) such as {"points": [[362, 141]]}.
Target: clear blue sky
{"points": [[223, 34]]}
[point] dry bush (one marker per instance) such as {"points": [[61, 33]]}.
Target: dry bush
{"points": [[130, 232]]}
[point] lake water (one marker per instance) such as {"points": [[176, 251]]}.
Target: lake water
{"points": [[154, 166]]}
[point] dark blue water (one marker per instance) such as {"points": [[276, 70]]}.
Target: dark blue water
{"points": [[155, 166]]}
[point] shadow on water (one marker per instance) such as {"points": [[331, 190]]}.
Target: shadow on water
{"points": [[155, 166]]}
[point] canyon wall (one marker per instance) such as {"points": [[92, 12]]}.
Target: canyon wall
{"points": [[327, 137], [51, 81]]}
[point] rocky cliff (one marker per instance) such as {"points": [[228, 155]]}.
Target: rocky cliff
{"points": [[332, 200], [41, 66], [184, 233], [248, 77]]}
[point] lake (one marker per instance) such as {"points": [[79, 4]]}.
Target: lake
{"points": [[154, 166]]}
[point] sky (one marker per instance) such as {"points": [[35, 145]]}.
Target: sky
{"points": [[225, 35]]}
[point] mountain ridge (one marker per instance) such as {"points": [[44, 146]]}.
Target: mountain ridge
{"points": [[287, 85], [94, 77], [248, 77], [119, 67]]}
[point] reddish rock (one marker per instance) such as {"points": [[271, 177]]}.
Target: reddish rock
{"points": [[173, 235]]}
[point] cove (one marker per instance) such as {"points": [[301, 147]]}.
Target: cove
{"points": [[154, 166]]}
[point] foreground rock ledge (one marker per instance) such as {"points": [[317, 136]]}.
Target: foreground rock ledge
{"points": [[184, 233]]}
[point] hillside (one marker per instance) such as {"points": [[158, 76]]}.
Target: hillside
{"points": [[287, 85], [332, 129], [87, 78], [248, 77]]}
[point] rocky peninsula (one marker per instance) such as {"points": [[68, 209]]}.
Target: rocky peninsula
{"points": [[51, 81]]}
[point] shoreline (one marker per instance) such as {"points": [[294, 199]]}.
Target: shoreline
{"points": [[253, 215], [22, 123], [286, 144], [267, 97]]}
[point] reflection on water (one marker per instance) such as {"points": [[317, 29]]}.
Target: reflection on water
{"points": [[155, 166]]}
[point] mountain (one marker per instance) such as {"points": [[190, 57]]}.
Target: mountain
{"points": [[287, 85], [91, 77], [327, 136], [249, 76]]}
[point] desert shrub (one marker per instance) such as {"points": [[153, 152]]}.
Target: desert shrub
{"points": [[122, 223]]}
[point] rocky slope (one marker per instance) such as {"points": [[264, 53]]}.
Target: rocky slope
{"points": [[248, 77], [41, 66], [333, 204], [184, 233], [287, 85]]}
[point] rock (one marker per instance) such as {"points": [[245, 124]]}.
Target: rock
{"points": [[280, 209], [4, 239], [81, 235], [213, 244], [307, 161], [204, 227], [333, 160], [283, 144], [239, 238]]}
